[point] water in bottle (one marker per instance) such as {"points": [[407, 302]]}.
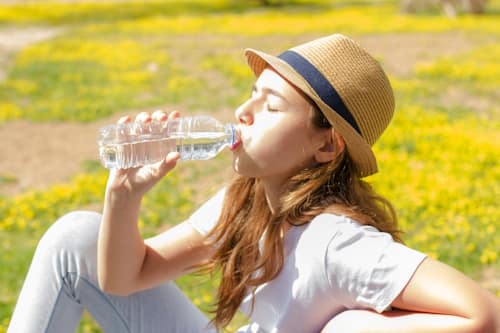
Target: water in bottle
{"points": [[123, 146]]}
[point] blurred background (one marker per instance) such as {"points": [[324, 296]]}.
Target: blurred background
{"points": [[70, 67]]}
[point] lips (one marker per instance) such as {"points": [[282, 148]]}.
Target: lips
{"points": [[237, 140]]}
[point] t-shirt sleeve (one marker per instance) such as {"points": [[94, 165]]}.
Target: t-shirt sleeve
{"points": [[366, 268], [206, 217]]}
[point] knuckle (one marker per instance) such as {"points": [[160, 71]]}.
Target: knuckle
{"points": [[143, 116], [123, 120], [159, 114]]}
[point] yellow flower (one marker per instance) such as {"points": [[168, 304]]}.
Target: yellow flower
{"points": [[488, 256], [9, 111]]}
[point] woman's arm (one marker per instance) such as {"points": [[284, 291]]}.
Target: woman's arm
{"points": [[127, 263], [439, 288], [437, 299]]}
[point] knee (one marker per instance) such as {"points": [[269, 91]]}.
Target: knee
{"points": [[75, 231]]}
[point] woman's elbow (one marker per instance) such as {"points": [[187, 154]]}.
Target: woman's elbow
{"points": [[486, 319], [115, 287], [483, 324]]}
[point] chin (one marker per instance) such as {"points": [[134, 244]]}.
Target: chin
{"points": [[244, 169]]}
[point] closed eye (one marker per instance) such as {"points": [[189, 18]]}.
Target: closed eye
{"points": [[271, 108]]}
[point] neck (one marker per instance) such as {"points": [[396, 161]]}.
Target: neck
{"points": [[273, 192]]}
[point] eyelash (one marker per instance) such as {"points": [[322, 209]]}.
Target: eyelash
{"points": [[269, 108]]}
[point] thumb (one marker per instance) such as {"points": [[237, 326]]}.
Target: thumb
{"points": [[167, 164]]}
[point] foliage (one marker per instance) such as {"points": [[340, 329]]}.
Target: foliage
{"points": [[438, 160], [129, 63], [103, 75], [475, 67], [441, 174]]}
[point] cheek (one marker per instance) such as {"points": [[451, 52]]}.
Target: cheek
{"points": [[282, 145], [268, 140], [261, 146]]}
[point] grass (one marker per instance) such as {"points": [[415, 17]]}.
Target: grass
{"points": [[8, 179], [438, 160]]}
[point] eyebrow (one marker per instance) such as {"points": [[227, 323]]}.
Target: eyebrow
{"points": [[270, 91]]}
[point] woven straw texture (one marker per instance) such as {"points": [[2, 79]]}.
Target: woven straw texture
{"points": [[358, 79]]}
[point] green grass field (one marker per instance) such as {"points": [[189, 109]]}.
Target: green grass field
{"points": [[438, 160]]}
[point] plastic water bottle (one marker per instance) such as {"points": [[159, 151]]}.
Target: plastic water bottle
{"points": [[123, 146]]}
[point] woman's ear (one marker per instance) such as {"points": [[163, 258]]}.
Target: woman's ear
{"points": [[333, 145]]}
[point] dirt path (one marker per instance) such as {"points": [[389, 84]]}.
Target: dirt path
{"points": [[42, 154], [39, 155], [12, 40]]}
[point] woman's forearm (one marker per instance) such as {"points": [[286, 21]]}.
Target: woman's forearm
{"points": [[364, 321], [121, 249], [403, 321]]}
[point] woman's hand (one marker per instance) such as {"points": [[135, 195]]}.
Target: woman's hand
{"points": [[137, 181], [121, 248]]}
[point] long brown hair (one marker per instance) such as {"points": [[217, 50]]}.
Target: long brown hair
{"points": [[246, 220]]}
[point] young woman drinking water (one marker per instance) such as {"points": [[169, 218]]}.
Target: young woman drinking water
{"points": [[301, 242]]}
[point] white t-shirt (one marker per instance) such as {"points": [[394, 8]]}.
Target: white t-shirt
{"points": [[331, 264]]}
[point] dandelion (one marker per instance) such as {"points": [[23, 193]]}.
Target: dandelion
{"points": [[488, 256], [206, 298]]}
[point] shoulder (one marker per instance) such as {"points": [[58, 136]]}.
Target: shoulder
{"points": [[320, 231], [354, 243], [340, 230], [326, 223], [314, 240], [366, 267]]}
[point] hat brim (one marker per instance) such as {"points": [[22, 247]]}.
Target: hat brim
{"points": [[359, 150]]}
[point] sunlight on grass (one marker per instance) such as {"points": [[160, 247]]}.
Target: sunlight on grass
{"points": [[74, 79], [438, 160], [478, 66], [441, 176]]}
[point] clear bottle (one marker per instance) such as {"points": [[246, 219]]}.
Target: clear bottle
{"points": [[123, 146]]}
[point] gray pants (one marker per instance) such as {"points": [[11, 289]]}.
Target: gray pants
{"points": [[62, 281]]}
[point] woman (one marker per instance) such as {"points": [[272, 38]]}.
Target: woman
{"points": [[303, 244]]}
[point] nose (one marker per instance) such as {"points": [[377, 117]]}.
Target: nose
{"points": [[244, 113]]}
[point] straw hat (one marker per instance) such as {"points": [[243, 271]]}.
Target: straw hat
{"points": [[345, 82]]}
